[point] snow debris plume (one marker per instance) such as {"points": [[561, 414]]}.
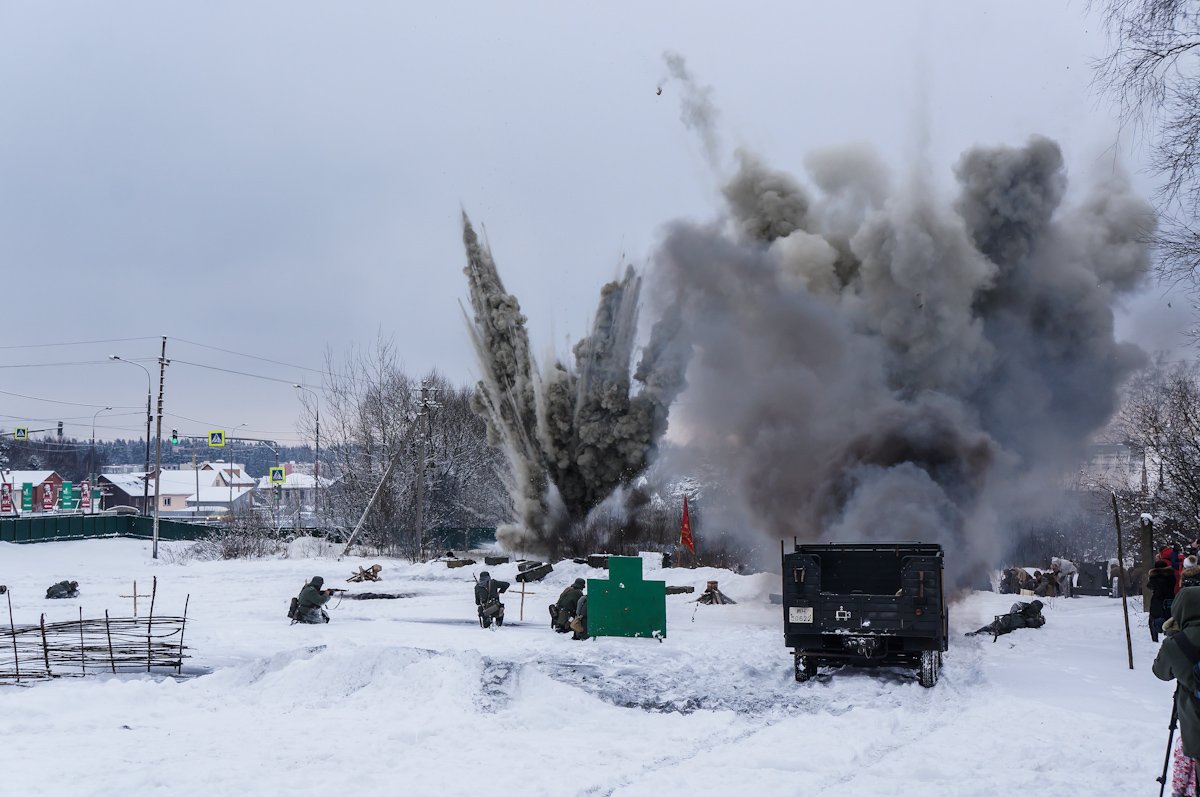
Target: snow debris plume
{"points": [[698, 111], [507, 394], [575, 435], [879, 363]]}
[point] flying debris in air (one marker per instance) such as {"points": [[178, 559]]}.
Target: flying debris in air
{"points": [[658, 91]]}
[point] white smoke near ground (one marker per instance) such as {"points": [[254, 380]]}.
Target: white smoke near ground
{"points": [[882, 363]]}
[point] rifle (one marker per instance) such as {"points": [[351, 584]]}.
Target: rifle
{"points": [[334, 589]]}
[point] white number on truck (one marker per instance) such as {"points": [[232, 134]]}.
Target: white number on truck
{"points": [[800, 614]]}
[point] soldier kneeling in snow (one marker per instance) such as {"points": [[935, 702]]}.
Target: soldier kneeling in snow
{"points": [[487, 600], [63, 589], [579, 624], [563, 612], [310, 601], [1020, 615]]}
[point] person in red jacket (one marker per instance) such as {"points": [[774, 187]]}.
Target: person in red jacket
{"points": [[1173, 558]]}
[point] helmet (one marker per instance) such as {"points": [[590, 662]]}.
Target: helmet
{"points": [[484, 576], [1036, 604], [579, 583]]}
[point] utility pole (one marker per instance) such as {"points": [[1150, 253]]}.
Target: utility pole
{"points": [[317, 462], [162, 377], [196, 470], [424, 416]]}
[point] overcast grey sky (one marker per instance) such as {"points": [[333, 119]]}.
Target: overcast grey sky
{"points": [[278, 178]]}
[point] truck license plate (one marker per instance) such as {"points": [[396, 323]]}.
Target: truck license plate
{"points": [[800, 614]]}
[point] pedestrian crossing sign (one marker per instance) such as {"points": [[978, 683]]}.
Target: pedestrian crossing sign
{"points": [[278, 476], [216, 438], [21, 433]]}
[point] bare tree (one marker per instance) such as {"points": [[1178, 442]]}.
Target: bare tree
{"points": [[1153, 72], [371, 414], [1161, 418]]}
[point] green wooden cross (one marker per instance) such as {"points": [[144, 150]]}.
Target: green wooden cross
{"points": [[624, 604]]}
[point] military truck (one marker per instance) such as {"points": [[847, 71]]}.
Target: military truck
{"points": [[865, 604]]}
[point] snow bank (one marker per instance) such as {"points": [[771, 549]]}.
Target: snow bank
{"points": [[410, 696]]}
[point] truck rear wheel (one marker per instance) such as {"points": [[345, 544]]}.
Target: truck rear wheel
{"points": [[806, 667], [931, 665]]}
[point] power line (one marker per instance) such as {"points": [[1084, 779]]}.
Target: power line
{"points": [[75, 343], [241, 373], [54, 365], [250, 356], [69, 403]]}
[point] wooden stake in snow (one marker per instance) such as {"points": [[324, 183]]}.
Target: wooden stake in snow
{"points": [[521, 614], [149, 623], [1121, 565], [112, 660], [135, 596], [45, 647], [12, 629], [182, 628]]}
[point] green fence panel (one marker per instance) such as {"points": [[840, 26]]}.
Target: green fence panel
{"points": [[79, 527]]}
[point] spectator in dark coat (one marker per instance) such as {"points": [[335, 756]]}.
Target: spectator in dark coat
{"points": [[1191, 573], [1172, 664], [1161, 583]]}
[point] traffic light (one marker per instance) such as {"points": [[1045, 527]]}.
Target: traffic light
{"points": [[278, 493], [60, 430], [174, 437]]}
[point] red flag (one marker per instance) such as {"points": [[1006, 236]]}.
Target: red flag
{"points": [[685, 530]]}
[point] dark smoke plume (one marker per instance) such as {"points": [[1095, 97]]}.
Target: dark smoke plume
{"points": [[574, 435], [879, 363]]}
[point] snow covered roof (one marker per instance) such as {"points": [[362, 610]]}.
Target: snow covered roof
{"points": [[128, 483], [18, 477], [218, 495], [294, 481], [183, 482]]}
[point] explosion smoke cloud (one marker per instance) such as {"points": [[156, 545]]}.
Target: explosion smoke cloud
{"points": [[875, 365]]}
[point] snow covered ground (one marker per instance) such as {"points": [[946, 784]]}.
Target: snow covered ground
{"points": [[412, 697]]}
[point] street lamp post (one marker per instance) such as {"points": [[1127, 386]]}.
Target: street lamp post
{"points": [[149, 415], [317, 462], [229, 472], [92, 454]]}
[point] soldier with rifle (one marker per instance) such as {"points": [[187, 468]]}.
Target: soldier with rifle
{"points": [[308, 606]]}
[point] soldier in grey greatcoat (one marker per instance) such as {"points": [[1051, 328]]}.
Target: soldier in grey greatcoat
{"points": [[487, 600], [312, 599], [63, 589], [562, 612]]}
